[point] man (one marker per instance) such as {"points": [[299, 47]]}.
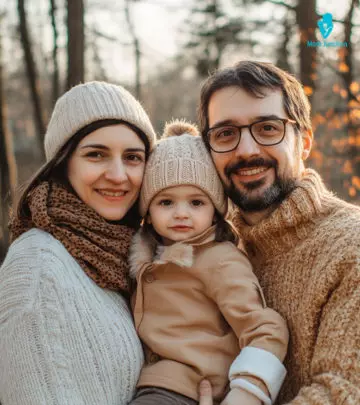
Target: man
{"points": [[303, 242]]}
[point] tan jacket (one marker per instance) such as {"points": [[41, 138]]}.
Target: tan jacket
{"points": [[197, 304]]}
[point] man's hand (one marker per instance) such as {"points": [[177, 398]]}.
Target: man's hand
{"points": [[205, 393], [238, 396]]}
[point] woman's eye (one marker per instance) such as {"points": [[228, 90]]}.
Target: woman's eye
{"points": [[135, 158], [165, 202], [95, 155], [197, 203]]}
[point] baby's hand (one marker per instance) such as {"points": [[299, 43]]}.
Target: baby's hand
{"points": [[238, 396]]}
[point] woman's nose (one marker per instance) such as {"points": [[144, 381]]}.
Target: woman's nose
{"points": [[116, 172]]}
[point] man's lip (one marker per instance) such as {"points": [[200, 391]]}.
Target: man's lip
{"points": [[250, 173]]}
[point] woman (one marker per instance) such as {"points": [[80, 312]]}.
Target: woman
{"points": [[66, 332]]}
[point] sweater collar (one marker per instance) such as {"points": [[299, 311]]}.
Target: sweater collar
{"points": [[290, 222], [146, 250]]}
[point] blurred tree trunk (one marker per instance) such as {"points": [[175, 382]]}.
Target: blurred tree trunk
{"points": [[55, 76], [347, 73], [306, 18], [6, 164], [283, 51], [76, 42], [136, 46], [31, 74], [346, 53]]}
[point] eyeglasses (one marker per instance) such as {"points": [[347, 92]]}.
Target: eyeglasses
{"points": [[267, 132]]}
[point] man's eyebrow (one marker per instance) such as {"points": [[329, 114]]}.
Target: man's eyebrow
{"points": [[236, 122]]}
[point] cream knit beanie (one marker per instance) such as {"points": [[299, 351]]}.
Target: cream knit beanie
{"points": [[90, 102], [181, 158]]}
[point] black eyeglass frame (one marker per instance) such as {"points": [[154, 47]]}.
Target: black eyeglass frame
{"points": [[284, 121]]}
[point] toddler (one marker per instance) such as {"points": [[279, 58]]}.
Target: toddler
{"points": [[198, 308]]}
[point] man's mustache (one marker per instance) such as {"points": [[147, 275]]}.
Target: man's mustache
{"points": [[248, 164]]}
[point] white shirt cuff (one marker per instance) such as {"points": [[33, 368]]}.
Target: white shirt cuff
{"points": [[261, 364]]}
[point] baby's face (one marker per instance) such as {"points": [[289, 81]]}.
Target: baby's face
{"points": [[181, 212]]}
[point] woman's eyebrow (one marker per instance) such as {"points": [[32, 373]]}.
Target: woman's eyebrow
{"points": [[135, 150], [103, 147], [95, 145]]}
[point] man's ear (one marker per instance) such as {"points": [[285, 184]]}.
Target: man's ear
{"points": [[307, 141]]}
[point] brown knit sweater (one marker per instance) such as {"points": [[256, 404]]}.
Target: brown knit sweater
{"points": [[306, 255]]}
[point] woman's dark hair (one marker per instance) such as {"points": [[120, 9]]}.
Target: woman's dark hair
{"points": [[224, 230], [56, 169]]}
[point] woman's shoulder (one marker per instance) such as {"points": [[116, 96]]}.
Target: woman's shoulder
{"points": [[34, 245], [32, 255]]}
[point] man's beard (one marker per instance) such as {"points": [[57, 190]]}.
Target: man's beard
{"points": [[272, 196]]}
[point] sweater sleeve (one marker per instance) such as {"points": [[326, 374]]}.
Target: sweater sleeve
{"points": [[34, 364], [262, 332], [335, 366]]}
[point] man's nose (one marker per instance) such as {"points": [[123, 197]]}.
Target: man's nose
{"points": [[247, 146]]}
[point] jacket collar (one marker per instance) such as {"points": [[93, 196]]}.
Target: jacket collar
{"points": [[145, 249]]}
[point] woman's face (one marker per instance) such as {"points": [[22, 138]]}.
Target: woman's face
{"points": [[106, 170]]}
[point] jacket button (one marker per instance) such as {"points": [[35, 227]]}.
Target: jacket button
{"points": [[149, 277], [154, 358]]}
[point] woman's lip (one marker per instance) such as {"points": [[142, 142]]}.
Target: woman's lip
{"points": [[112, 198]]}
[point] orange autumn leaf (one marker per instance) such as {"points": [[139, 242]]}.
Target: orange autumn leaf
{"points": [[352, 192], [347, 168], [308, 90], [336, 88], [354, 87], [356, 182], [343, 93], [343, 67]]}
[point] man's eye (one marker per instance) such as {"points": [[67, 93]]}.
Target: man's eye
{"points": [[197, 203], [165, 202], [225, 133]]}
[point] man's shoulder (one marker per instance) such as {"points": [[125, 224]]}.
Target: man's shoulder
{"points": [[343, 218]]}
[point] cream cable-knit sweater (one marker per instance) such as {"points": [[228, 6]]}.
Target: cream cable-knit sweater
{"points": [[307, 258], [63, 339]]}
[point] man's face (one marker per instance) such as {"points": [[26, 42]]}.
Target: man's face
{"points": [[257, 177]]}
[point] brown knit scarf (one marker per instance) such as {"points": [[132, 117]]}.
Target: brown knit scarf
{"points": [[100, 248]]}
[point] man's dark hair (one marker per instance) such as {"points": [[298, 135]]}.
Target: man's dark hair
{"points": [[255, 77]]}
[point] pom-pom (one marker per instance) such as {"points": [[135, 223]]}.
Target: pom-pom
{"points": [[179, 127]]}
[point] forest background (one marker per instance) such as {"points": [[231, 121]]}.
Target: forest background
{"points": [[161, 50]]}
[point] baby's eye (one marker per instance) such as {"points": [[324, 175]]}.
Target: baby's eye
{"points": [[197, 203], [165, 203]]}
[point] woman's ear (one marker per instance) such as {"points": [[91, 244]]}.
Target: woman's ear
{"points": [[148, 219]]}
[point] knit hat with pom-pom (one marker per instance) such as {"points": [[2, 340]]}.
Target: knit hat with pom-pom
{"points": [[181, 158]]}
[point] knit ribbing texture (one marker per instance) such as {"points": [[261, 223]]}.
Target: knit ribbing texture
{"points": [[181, 160], [63, 339], [306, 255], [90, 102]]}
